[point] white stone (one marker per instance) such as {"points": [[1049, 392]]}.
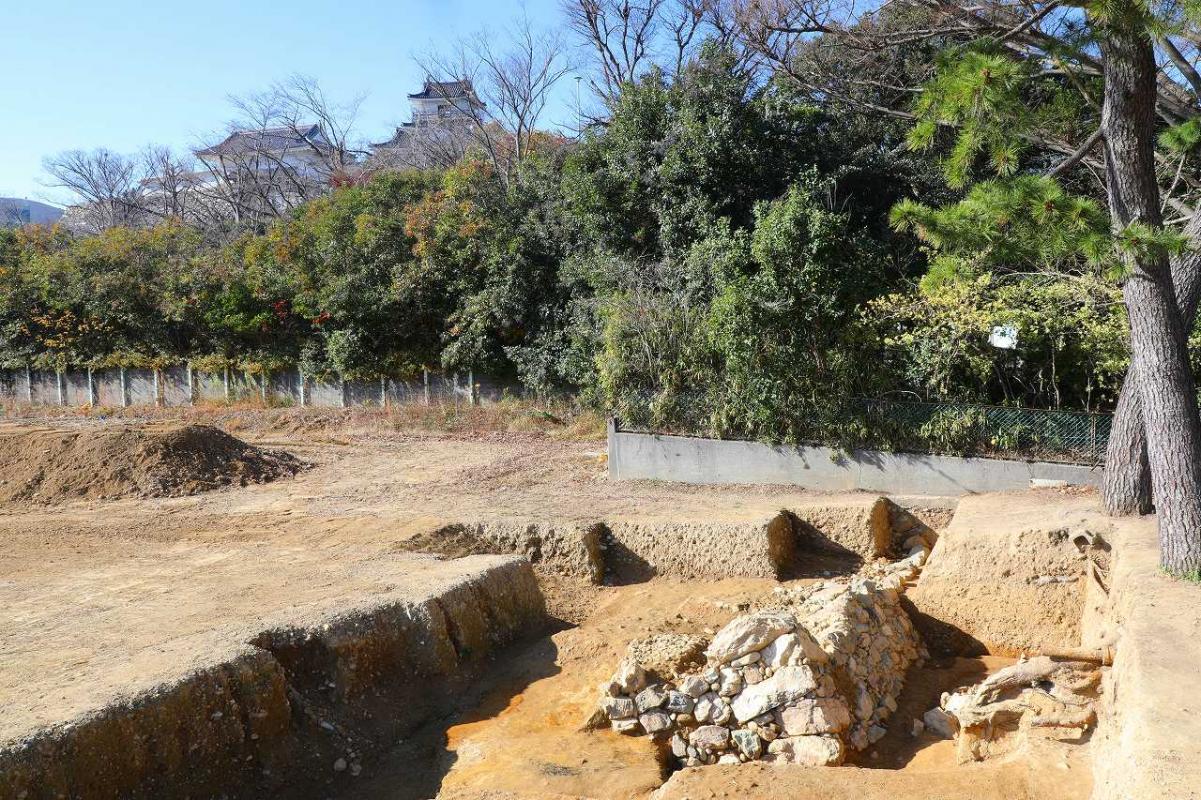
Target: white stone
{"points": [[745, 661], [730, 683], [747, 633], [619, 707], [786, 686], [679, 746], [626, 726], [940, 723], [753, 674], [694, 685], [778, 651], [629, 678], [655, 721], [813, 716], [710, 737], [808, 751], [729, 758], [650, 697], [705, 706]]}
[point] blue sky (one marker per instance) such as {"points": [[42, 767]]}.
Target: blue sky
{"points": [[122, 74]]}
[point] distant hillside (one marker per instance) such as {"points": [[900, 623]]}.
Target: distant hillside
{"points": [[16, 211]]}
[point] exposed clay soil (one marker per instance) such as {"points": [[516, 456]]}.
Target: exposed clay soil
{"points": [[521, 732], [99, 597], [53, 465]]}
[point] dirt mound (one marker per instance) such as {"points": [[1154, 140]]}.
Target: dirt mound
{"points": [[56, 465]]}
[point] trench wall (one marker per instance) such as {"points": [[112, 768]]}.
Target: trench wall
{"points": [[634, 549], [712, 461], [275, 717], [1146, 744]]}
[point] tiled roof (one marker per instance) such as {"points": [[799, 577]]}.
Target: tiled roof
{"points": [[438, 127], [397, 137], [444, 90], [267, 140]]}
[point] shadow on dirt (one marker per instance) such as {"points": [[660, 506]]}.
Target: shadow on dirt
{"points": [[416, 766]]}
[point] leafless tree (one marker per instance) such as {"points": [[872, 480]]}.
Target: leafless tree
{"points": [[622, 35], [626, 38], [512, 79], [287, 145], [107, 186], [169, 184], [435, 144], [11, 214]]}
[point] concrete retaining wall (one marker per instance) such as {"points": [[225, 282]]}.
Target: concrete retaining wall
{"points": [[711, 461], [177, 386]]}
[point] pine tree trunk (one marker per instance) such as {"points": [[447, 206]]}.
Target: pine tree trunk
{"points": [[1157, 335], [1126, 487]]}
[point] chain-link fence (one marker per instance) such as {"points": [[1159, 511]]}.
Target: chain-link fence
{"points": [[999, 431], [966, 429]]}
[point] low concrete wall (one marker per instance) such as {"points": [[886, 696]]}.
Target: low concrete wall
{"points": [[175, 386], [709, 461]]}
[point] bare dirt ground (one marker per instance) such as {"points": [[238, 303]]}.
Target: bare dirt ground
{"points": [[103, 598], [100, 597]]}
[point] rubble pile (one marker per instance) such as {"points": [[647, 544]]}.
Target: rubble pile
{"points": [[1041, 696], [896, 574], [813, 673]]}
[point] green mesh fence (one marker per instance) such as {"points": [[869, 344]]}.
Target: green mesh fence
{"points": [[968, 429], [999, 431]]}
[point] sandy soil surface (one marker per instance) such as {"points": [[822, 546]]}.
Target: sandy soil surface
{"points": [[520, 734], [100, 598], [83, 622]]}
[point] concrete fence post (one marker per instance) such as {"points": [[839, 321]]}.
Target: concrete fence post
{"points": [[191, 385], [345, 394], [156, 374], [383, 392], [62, 387], [425, 384], [29, 384], [263, 386], [473, 389], [303, 395], [226, 383], [124, 379], [93, 393]]}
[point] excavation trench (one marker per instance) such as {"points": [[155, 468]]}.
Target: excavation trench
{"points": [[551, 736], [502, 683], [296, 707]]}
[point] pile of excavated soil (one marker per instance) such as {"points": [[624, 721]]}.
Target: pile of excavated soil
{"points": [[51, 466]]}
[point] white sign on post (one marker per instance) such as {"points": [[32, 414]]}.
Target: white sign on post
{"points": [[1004, 337]]}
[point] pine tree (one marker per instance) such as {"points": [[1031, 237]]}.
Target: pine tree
{"points": [[1108, 98]]}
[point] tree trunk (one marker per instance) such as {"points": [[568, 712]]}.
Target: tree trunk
{"points": [[1157, 336], [1126, 487]]}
